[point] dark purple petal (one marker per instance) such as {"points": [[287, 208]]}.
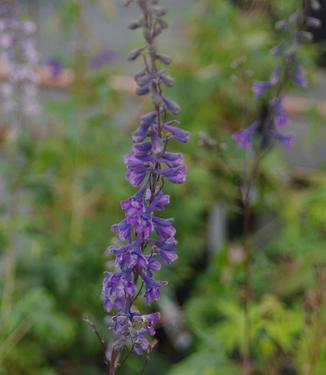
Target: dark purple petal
{"points": [[123, 229], [167, 80], [148, 119], [135, 178], [174, 175], [160, 201], [133, 55], [152, 320], [164, 59], [142, 132], [172, 159], [163, 228], [153, 264], [153, 287], [142, 90], [142, 148], [171, 106], [179, 134], [244, 137]]}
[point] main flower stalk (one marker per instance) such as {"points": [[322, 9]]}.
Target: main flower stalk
{"points": [[146, 239]]}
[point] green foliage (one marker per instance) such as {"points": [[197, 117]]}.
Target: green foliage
{"points": [[205, 362]]}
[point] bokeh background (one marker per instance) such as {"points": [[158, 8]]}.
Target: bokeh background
{"points": [[61, 184]]}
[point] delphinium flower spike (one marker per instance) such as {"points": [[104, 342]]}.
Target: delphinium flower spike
{"points": [[147, 240], [287, 70]]}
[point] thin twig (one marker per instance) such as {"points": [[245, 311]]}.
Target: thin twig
{"points": [[98, 335], [142, 371]]}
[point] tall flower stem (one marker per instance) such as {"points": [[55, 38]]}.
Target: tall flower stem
{"points": [[268, 130]]}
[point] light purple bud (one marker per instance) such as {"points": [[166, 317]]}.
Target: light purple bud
{"points": [[133, 55], [179, 134], [171, 106]]}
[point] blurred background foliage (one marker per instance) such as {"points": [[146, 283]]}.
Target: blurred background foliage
{"points": [[71, 180]]}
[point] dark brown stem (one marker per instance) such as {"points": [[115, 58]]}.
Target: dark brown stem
{"points": [[98, 335], [144, 366], [112, 365]]}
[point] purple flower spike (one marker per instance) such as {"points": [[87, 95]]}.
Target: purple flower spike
{"points": [[147, 239], [287, 70], [244, 137]]}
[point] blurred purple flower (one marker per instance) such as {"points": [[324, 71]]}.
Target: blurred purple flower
{"points": [[299, 75], [286, 140], [261, 88], [288, 69], [244, 137], [55, 66], [104, 57], [281, 118]]}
